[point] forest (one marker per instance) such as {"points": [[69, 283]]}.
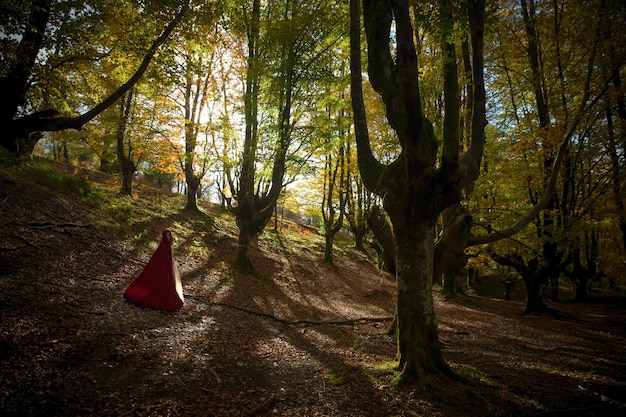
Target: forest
{"points": [[361, 194]]}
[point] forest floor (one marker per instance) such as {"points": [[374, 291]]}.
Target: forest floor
{"points": [[286, 341]]}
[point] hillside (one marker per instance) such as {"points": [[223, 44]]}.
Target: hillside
{"points": [[299, 338]]}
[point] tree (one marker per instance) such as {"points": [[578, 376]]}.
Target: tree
{"points": [[125, 153], [196, 90], [284, 50], [14, 117], [332, 124], [334, 177], [359, 202], [564, 119], [615, 110], [415, 189]]}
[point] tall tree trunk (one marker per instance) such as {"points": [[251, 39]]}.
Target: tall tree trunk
{"points": [[193, 184], [245, 193], [616, 167], [579, 276], [450, 258], [125, 154], [328, 247], [255, 207], [243, 245], [358, 203], [415, 189], [196, 92], [334, 178], [451, 134], [419, 350], [533, 280], [547, 225], [128, 169]]}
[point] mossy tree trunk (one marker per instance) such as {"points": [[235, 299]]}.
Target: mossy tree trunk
{"points": [[415, 187], [419, 350]]}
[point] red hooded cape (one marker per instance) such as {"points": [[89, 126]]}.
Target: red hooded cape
{"points": [[158, 286]]}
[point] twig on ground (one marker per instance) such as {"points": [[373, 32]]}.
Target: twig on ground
{"points": [[217, 377], [264, 405], [57, 225], [29, 242]]}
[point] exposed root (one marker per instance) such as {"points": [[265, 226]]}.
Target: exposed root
{"points": [[306, 322]]}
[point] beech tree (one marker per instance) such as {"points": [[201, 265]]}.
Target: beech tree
{"points": [[332, 126], [359, 202], [284, 52], [334, 196], [21, 116], [196, 73], [415, 188], [125, 153]]}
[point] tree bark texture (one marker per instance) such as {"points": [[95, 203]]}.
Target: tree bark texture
{"points": [[419, 350]]}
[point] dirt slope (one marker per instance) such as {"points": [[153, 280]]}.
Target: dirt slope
{"points": [[284, 342]]}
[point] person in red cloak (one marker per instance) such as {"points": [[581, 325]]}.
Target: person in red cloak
{"points": [[158, 286]]}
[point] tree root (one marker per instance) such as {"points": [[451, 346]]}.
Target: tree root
{"points": [[305, 322]]}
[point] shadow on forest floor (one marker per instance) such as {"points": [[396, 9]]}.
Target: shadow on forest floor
{"points": [[70, 345]]}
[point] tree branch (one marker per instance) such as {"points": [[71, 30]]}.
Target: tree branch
{"points": [[371, 169], [562, 150], [30, 124]]}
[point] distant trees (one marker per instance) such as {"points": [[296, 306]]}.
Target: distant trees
{"points": [[193, 67], [334, 199], [539, 48], [253, 96]]}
